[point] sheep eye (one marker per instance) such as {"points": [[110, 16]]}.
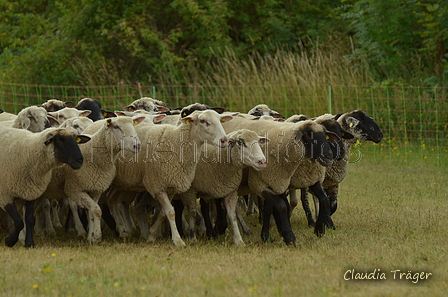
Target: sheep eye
{"points": [[202, 121]]}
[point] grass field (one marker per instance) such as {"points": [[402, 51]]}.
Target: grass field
{"points": [[390, 217]]}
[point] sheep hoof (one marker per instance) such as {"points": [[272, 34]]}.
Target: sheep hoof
{"points": [[180, 243], [311, 223], [240, 243], [10, 241], [319, 229], [289, 238]]}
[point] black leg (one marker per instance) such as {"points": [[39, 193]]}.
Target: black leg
{"points": [[178, 209], [205, 210], [306, 207], [324, 209], [267, 210], [108, 218], [280, 210], [221, 217], [11, 210], [29, 223]]}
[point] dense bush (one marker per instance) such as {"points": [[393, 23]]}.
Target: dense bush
{"points": [[107, 41]]}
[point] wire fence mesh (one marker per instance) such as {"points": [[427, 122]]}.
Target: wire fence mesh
{"points": [[414, 119]]}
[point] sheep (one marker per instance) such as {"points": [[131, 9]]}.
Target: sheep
{"points": [[262, 109], [77, 123], [291, 144], [311, 175], [67, 113], [27, 160], [362, 127], [297, 118], [32, 118], [55, 105], [148, 104], [86, 185], [97, 112], [7, 117], [219, 174], [168, 166], [174, 119]]}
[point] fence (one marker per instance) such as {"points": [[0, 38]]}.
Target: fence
{"points": [[414, 119]]}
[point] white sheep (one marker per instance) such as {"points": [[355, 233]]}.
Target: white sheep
{"points": [[55, 105], [77, 123], [32, 118], [219, 173], [86, 185], [148, 104], [262, 109], [168, 163], [27, 160], [67, 113]]}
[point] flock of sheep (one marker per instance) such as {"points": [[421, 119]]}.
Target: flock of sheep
{"points": [[57, 161]]}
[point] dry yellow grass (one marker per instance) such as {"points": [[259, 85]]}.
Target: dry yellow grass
{"points": [[390, 218]]}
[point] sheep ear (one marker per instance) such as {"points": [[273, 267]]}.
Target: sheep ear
{"points": [[263, 140], [158, 118], [68, 103], [187, 120], [226, 118], [276, 115], [231, 143], [346, 135], [256, 118], [137, 120], [108, 114], [108, 122], [162, 108], [351, 121], [119, 113], [82, 139], [49, 139], [85, 113], [332, 137], [53, 122], [25, 124], [218, 109]]}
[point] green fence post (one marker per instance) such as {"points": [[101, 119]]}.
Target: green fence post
{"points": [[330, 100], [405, 124], [437, 126]]}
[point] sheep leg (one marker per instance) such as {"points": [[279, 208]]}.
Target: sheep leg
{"points": [[94, 216], [126, 214], [239, 216], [39, 222], [55, 208], [221, 219], [189, 201], [108, 218], [278, 206], [332, 193], [113, 204], [140, 204], [205, 209], [323, 218], [230, 202], [78, 224], [250, 206], [29, 223], [13, 237], [178, 210], [168, 211], [306, 207], [48, 224], [293, 201]]}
